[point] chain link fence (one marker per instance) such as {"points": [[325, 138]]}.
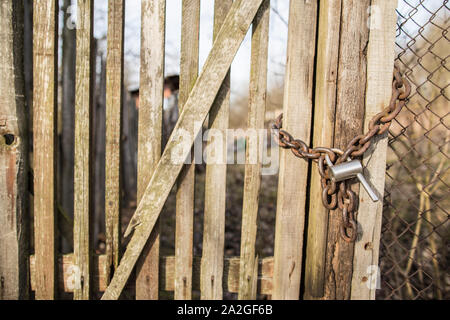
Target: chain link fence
{"points": [[414, 256]]}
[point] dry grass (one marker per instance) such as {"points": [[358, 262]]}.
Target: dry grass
{"points": [[414, 253]]}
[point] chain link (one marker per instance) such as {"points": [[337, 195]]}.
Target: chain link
{"points": [[338, 194]]}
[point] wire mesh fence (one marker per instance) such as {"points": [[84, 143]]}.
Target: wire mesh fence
{"points": [[414, 257]]}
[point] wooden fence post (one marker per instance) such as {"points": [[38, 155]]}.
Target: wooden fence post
{"points": [[13, 156], [380, 63], [114, 102], [297, 112], [256, 114], [197, 106], [351, 87], [45, 48], [215, 181], [150, 132], [324, 117], [83, 151], [184, 229]]}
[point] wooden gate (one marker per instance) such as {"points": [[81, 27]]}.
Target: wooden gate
{"points": [[338, 75]]}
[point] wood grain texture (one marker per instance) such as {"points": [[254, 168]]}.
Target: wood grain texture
{"points": [[166, 274], [150, 132], [215, 180], [65, 265], [196, 109], [351, 87], [45, 46], [380, 63], [83, 150], [324, 117], [114, 101], [297, 110], [13, 156], [252, 181], [184, 229]]}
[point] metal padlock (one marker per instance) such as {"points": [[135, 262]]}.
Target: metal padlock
{"points": [[348, 170]]}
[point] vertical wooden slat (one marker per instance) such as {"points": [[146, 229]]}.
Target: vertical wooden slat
{"points": [[215, 181], [324, 115], [195, 109], [150, 126], [297, 111], [349, 123], [83, 164], [190, 28], [13, 156], [114, 99], [256, 115], [380, 63], [45, 48]]}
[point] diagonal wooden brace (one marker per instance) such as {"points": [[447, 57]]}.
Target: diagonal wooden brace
{"points": [[179, 145]]}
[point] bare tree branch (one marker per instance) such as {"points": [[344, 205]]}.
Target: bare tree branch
{"points": [[277, 13]]}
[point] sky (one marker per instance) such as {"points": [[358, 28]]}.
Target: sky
{"points": [[241, 67]]}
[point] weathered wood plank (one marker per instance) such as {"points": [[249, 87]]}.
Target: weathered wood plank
{"points": [[13, 156], [297, 111], [45, 46], [114, 101], [215, 180], [166, 275], [179, 145], [67, 274], [150, 132], [189, 65], [83, 155], [252, 181], [230, 280], [380, 63], [324, 117], [349, 123]]}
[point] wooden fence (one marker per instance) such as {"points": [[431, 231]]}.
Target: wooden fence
{"points": [[338, 75]]}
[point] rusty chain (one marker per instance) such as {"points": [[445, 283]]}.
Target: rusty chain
{"points": [[339, 194]]}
